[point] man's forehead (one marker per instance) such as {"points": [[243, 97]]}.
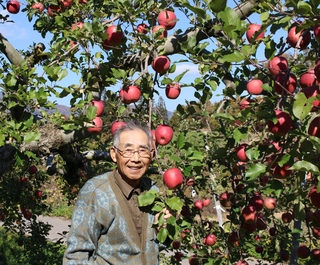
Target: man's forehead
{"points": [[133, 137]]}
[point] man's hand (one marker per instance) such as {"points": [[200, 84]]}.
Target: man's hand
{"points": [[166, 215]]}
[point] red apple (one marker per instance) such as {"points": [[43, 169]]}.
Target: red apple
{"points": [[278, 65], [279, 172], [159, 32], [13, 6], [194, 260], [206, 202], [257, 201], [27, 214], [270, 203], [241, 152], [315, 254], [316, 232], [176, 244], [259, 249], [77, 25], [161, 64], [263, 180], [66, 3], [99, 105], [190, 182], [249, 214], [210, 240], [53, 10], [314, 127], [116, 125], [185, 211], [178, 256], [142, 28], [173, 178], [272, 231], [130, 94], [97, 126], [245, 103], [33, 170], [164, 134], [226, 199], [38, 6], [114, 35], [254, 87], [198, 204], [249, 227], [314, 197], [285, 84], [167, 18], [294, 36], [303, 252], [38, 194], [23, 180], [283, 124], [233, 239], [242, 262], [254, 28], [173, 91], [312, 91], [287, 217], [316, 217], [2, 215], [284, 254], [308, 78], [261, 224]]}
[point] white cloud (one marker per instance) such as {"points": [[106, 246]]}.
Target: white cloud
{"points": [[180, 68]]}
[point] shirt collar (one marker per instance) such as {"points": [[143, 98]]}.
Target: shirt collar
{"points": [[126, 189]]}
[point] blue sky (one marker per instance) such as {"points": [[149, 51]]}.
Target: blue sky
{"points": [[21, 35]]}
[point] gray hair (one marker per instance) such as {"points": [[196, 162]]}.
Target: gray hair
{"points": [[130, 126]]}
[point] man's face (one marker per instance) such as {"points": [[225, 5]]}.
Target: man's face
{"points": [[133, 168]]}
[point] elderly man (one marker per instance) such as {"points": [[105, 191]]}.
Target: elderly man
{"points": [[108, 227]]}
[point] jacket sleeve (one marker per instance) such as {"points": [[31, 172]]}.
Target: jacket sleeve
{"points": [[85, 228]]}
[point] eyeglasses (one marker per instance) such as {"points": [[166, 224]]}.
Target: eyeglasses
{"points": [[128, 153]]}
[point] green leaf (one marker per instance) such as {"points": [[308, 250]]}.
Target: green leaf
{"points": [[196, 155], [178, 78], [264, 16], [239, 135], [217, 5], [254, 171], [62, 74], [147, 198], [199, 11], [252, 154], [235, 56], [301, 106], [180, 140], [299, 211], [175, 203], [31, 136], [162, 234], [213, 84], [305, 166], [223, 116], [91, 112], [304, 7], [273, 187]]}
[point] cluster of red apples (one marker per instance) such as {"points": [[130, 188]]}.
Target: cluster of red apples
{"points": [[97, 123]]}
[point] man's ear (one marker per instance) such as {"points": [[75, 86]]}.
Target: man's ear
{"points": [[113, 154], [153, 154]]}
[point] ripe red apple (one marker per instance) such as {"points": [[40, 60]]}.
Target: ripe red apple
{"points": [[278, 65], [53, 9], [13, 6], [164, 134], [270, 203], [254, 87], [287, 217], [315, 197], [99, 105], [38, 194], [283, 124], [2, 215], [249, 214], [249, 228], [23, 180], [279, 172], [210, 240], [38, 6], [190, 182], [159, 32], [314, 127], [194, 260], [259, 249], [206, 202], [226, 199], [284, 254], [161, 64], [254, 28], [312, 91], [316, 232], [233, 239], [308, 78], [33, 170], [285, 84], [257, 201], [130, 94], [294, 36], [272, 231], [114, 35], [263, 180], [241, 152], [167, 18], [66, 3], [27, 214], [198, 204], [173, 91], [116, 125], [77, 25], [245, 103], [83, 1], [316, 217], [303, 252], [176, 244], [178, 256], [97, 126], [173, 178], [142, 28], [315, 254]]}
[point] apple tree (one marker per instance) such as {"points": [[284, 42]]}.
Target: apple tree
{"points": [[262, 55]]}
